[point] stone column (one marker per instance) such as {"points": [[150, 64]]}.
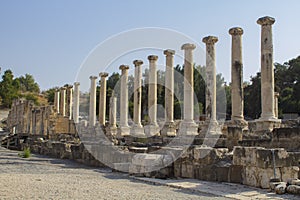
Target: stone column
{"points": [[267, 69], [62, 105], [102, 98], [211, 77], [276, 96], [152, 127], [124, 128], [56, 100], [113, 112], [92, 113], [237, 91], [169, 128], [111, 130], [76, 102], [137, 129], [188, 126], [69, 100]]}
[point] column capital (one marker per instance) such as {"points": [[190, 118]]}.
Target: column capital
{"points": [[93, 77], [137, 63], [124, 67], [63, 88], [152, 58], [169, 52], [276, 94], [103, 74], [188, 46], [265, 21], [210, 40], [69, 86], [236, 31], [76, 83]]}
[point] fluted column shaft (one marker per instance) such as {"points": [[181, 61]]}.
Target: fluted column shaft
{"points": [[102, 98], [92, 113], [76, 102]]}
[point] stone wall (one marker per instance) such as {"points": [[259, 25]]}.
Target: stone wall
{"points": [[26, 119]]}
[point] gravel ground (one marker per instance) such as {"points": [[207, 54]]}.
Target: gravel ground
{"points": [[40, 177]]}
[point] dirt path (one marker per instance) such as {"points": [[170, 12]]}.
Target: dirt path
{"points": [[41, 177]]}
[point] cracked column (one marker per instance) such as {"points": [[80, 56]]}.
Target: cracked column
{"points": [[237, 91], [169, 128], [62, 104], [102, 98], [69, 99], [211, 108], [76, 102], [137, 128], [152, 128], [124, 129], [267, 69], [188, 125], [56, 100], [92, 113]]}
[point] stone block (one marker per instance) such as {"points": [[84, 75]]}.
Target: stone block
{"points": [[293, 189], [235, 174], [280, 189]]}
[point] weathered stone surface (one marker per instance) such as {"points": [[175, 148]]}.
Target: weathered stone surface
{"points": [[273, 185], [280, 189], [293, 189]]}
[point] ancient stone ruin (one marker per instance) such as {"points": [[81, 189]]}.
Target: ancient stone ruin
{"points": [[238, 151]]}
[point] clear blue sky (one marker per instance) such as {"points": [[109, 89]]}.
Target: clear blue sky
{"points": [[51, 39]]}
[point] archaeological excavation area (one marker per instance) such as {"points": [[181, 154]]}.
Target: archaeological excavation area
{"points": [[263, 152]]}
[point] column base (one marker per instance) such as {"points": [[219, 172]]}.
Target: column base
{"points": [[151, 130], [210, 128], [267, 124], [188, 128], [123, 131], [169, 129], [137, 131], [111, 131], [238, 122]]}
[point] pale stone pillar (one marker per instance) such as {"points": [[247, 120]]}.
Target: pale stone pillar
{"points": [[92, 113], [113, 112], [152, 127], [62, 105], [137, 128], [102, 98], [124, 128], [237, 91], [211, 77], [267, 69], [69, 99], [137, 101], [276, 96], [56, 100], [76, 102], [188, 125], [169, 128], [112, 130]]}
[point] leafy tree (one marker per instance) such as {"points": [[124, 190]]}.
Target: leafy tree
{"points": [[28, 84], [8, 88]]}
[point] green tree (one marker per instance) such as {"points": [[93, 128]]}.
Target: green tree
{"points": [[8, 88], [28, 84]]}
